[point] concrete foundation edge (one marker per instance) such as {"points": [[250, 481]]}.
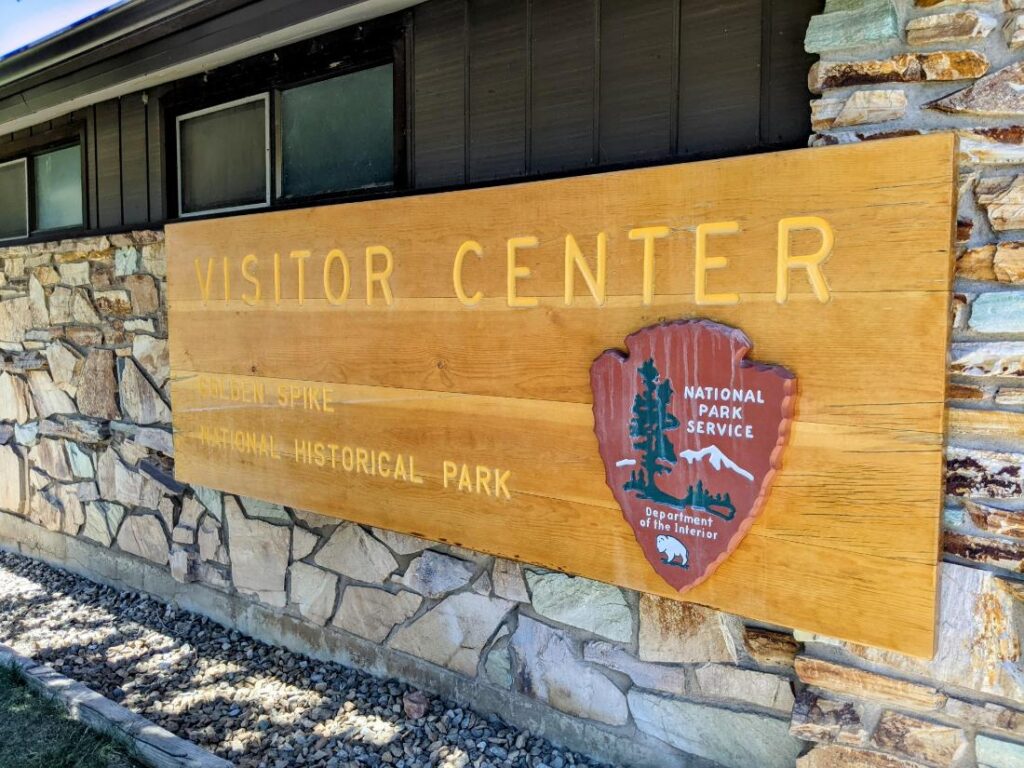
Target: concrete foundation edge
{"points": [[147, 742]]}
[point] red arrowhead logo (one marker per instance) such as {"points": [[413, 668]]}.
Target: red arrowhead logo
{"points": [[691, 434]]}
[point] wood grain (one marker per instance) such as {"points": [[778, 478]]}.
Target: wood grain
{"points": [[853, 518], [435, 345], [475, 429]]}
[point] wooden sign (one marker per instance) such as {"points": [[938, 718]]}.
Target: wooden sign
{"points": [[423, 364], [691, 433]]}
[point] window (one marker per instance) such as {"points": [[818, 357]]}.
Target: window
{"points": [[42, 192], [224, 157], [58, 188], [298, 142], [338, 134], [14, 199]]}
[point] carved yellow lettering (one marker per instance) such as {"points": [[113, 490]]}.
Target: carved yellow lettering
{"points": [[247, 263], [363, 460], [483, 479], [449, 470], [227, 280], [648, 235], [348, 458], [501, 483], [812, 262], [400, 473], [332, 256], [470, 246], [516, 272], [382, 276], [204, 287], [299, 257], [384, 463], [574, 260], [465, 481], [704, 263], [412, 472]]}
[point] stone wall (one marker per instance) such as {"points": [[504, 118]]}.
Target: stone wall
{"points": [[893, 69], [87, 481], [86, 453]]}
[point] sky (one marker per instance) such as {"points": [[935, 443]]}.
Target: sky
{"points": [[25, 21]]}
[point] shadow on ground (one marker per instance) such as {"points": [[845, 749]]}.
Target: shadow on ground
{"points": [[256, 705]]}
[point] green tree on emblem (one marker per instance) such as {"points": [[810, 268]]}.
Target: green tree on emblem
{"points": [[649, 429]]}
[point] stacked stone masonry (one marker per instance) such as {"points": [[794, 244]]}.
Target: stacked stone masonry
{"points": [[904, 67], [86, 454]]}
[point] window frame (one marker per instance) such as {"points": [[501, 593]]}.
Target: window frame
{"points": [[263, 96], [28, 198], [73, 133], [335, 54], [397, 140], [33, 208]]}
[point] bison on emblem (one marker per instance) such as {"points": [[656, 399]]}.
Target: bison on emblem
{"points": [[691, 433]]}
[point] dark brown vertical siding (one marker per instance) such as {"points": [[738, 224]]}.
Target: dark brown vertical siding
{"points": [[638, 71], [439, 94], [156, 159], [134, 161], [563, 75], [91, 174], [608, 82], [786, 103], [507, 89], [719, 75], [108, 163], [498, 105]]}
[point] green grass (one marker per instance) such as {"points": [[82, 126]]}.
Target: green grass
{"points": [[36, 733]]}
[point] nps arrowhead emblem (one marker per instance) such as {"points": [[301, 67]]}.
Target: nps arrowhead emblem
{"points": [[691, 434]]}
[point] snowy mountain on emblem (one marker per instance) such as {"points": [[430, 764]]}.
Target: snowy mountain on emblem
{"points": [[716, 459]]}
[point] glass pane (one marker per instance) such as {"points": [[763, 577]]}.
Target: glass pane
{"points": [[338, 134], [58, 178], [13, 200], [224, 158]]}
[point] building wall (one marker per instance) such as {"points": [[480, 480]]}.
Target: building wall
{"points": [[895, 68], [86, 481], [123, 165], [494, 91], [550, 86], [87, 456]]}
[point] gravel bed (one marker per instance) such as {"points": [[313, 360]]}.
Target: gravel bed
{"points": [[253, 704]]}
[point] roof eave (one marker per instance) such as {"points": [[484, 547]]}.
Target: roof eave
{"points": [[21, 112]]}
